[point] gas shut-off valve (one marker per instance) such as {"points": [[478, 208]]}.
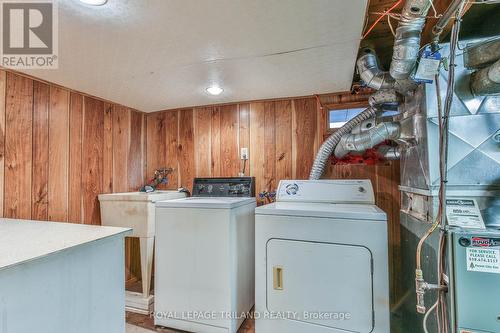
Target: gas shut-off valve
{"points": [[422, 287]]}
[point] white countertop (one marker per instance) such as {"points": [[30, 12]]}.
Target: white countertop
{"points": [[24, 240]]}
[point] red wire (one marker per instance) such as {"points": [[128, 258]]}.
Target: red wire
{"points": [[380, 18]]}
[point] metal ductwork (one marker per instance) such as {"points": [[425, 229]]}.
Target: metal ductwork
{"points": [[328, 147], [480, 55], [367, 139], [389, 153], [381, 97], [406, 49], [486, 82], [407, 40], [484, 56], [371, 74]]}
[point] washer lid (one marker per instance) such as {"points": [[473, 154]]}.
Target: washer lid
{"points": [[142, 196], [206, 202], [329, 210]]}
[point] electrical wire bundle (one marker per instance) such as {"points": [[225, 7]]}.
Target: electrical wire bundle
{"points": [[440, 306]]}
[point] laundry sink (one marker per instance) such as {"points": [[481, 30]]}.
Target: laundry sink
{"points": [[133, 210], [136, 210]]}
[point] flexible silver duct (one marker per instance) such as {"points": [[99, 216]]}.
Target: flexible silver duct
{"points": [[407, 40], [367, 139], [329, 145], [327, 148], [486, 82]]}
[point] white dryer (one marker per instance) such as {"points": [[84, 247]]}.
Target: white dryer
{"points": [[322, 259], [204, 266]]}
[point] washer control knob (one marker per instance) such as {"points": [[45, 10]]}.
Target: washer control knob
{"points": [[292, 189]]}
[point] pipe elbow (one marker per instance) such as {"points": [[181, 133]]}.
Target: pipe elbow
{"points": [[371, 74], [407, 40], [367, 139], [486, 82], [384, 96], [406, 48]]}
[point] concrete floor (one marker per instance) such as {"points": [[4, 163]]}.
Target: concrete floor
{"points": [[136, 329]]}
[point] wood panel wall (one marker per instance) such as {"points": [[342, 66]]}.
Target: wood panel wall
{"points": [[59, 149], [206, 141], [282, 136]]}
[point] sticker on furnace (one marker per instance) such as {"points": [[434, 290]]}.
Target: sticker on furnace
{"points": [[483, 260]]}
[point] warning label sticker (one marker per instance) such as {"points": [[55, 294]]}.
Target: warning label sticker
{"points": [[464, 213], [483, 260]]}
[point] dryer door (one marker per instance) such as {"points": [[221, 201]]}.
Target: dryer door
{"points": [[321, 283]]}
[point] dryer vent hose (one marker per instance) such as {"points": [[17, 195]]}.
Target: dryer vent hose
{"points": [[329, 145]]}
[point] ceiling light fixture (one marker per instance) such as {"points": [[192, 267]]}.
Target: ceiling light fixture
{"points": [[214, 90], [94, 2]]}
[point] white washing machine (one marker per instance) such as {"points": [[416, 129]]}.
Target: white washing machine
{"points": [[322, 259], [204, 266]]}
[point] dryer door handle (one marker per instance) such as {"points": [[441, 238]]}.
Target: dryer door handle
{"points": [[278, 277]]}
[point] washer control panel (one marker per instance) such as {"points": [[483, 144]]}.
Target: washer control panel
{"points": [[224, 187], [331, 191]]}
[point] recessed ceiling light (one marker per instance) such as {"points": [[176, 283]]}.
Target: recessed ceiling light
{"points": [[94, 2], [215, 90]]}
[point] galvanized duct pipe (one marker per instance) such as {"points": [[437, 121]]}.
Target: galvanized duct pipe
{"points": [[405, 54], [480, 55], [370, 72], [367, 139], [406, 48], [407, 40], [384, 97], [327, 148], [486, 82], [390, 153]]}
